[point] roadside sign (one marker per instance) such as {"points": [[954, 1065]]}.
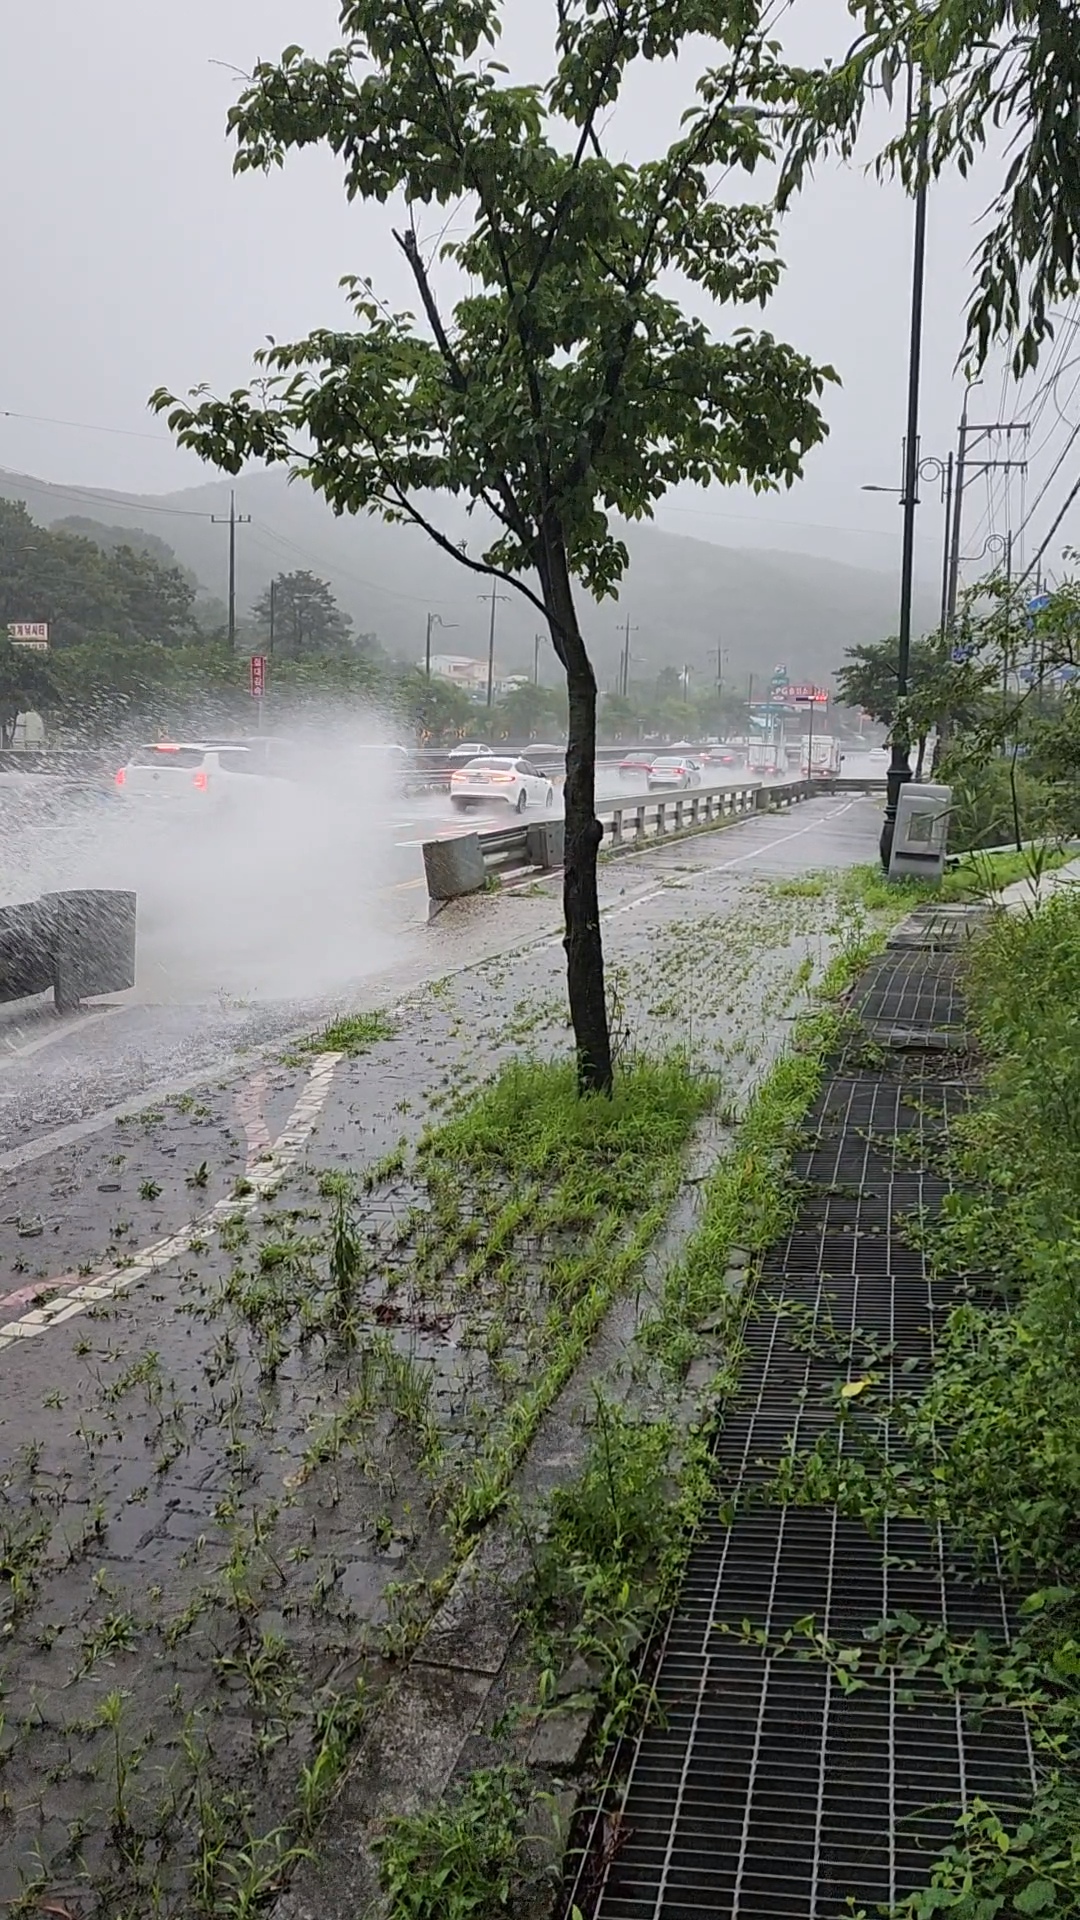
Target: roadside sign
{"points": [[1039, 604], [959, 655], [29, 633], [258, 675], [804, 696]]}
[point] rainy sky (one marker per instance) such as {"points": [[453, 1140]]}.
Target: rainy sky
{"points": [[133, 258]]}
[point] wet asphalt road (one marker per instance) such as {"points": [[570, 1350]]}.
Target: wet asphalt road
{"points": [[242, 945], [200, 1009]]}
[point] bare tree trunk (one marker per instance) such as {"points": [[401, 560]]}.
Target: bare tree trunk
{"points": [[581, 906], [921, 757]]}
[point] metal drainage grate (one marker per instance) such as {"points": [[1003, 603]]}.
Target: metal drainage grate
{"points": [[912, 989], [761, 1788]]}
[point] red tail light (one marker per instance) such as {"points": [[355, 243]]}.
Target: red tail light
{"points": [[121, 777], [202, 781]]}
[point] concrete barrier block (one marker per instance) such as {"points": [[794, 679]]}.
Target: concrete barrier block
{"points": [[27, 949], [545, 843], [454, 867], [94, 949]]}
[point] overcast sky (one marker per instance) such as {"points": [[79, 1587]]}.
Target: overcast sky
{"points": [[133, 258]]}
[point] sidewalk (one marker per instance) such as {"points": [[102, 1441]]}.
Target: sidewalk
{"points": [[783, 1774], [252, 1354], [1032, 892]]}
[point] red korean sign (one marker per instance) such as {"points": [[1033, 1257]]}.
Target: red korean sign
{"points": [[258, 675]]}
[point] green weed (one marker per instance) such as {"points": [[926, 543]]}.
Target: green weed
{"points": [[466, 1859], [352, 1033]]}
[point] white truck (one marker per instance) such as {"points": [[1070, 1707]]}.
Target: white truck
{"points": [[820, 758], [766, 756]]}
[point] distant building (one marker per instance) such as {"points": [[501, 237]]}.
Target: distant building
{"points": [[462, 670]]}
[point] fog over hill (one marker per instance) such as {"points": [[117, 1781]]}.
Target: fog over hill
{"points": [[684, 597]]}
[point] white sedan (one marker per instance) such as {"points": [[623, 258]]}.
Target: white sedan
{"points": [[515, 782]]}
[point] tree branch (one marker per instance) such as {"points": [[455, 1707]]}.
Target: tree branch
{"points": [[401, 501], [461, 146], [588, 134], [645, 271], [407, 242]]}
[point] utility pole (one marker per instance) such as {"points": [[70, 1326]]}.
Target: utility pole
{"points": [[721, 656], [494, 598], [948, 492], [1008, 616], [233, 521], [273, 600], [968, 437], [537, 637], [434, 620], [624, 665]]}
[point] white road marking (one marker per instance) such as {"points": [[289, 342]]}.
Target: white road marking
{"points": [[755, 852], [264, 1172], [249, 1105], [63, 1031]]}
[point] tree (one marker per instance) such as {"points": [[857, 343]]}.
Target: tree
{"points": [[436, 711], [868, 679], [158, 601], [556, 378], [526, 712], [992, 68], [84, 587], [305, 619], [27, 685]]}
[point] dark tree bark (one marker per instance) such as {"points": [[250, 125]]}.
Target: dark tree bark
{"points": [[581, 906]]}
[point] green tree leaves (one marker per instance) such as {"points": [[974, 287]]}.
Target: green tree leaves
{"points": [[302, 614], [1001, 72], [549, 373], [82, 587]]}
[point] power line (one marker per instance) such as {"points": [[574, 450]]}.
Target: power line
{"points": [[87, 426], [1037, 556], [332, 566], [100, 497], [1052, 475]]}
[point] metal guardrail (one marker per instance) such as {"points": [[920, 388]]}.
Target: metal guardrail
{"points": [[75, 944], [641, 818]]}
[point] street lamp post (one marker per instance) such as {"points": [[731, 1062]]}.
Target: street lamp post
{"points": [[900, 765], [932, 468], [492, 599]]}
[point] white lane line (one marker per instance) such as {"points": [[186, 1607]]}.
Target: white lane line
{"points": [[65, 1031], [753, 853], [249, 1104], [263, 1175]]}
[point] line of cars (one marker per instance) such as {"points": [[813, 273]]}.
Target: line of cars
{"points": [[677, 767], [216, 771]]}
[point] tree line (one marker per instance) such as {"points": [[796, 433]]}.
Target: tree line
{"points": [[999, 694], [135, 643]]}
